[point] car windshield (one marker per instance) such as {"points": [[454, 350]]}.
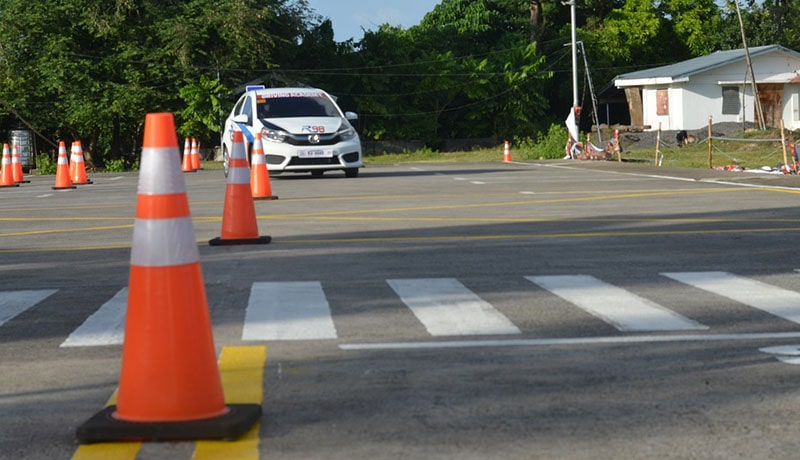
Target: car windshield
{"points": [[292, 107]]}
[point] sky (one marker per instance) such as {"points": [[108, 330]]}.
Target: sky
{"points": [[350, 16]]}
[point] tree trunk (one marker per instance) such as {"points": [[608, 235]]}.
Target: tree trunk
{"points": [[537, 20]]}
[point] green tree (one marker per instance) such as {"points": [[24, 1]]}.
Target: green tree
{"points": [[765, 23], [90, 70], [694, 23], [203, 106], [467, 70]]}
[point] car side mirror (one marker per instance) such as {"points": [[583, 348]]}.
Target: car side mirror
{"points": [[242, 118], [352, 116]]}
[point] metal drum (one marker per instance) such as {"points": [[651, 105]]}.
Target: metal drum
{"points": [[24, 142]]}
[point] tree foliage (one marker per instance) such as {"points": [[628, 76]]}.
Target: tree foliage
{"points": [[91, 69]]}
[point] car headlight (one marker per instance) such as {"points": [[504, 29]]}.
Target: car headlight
{"points": [[347, 133], [273, 135]]}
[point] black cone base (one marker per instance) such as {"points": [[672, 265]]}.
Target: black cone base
{"points": [[103, 427], [219, 241], [271, 197]]}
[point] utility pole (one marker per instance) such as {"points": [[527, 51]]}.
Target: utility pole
{"points": [[571, 4], [595, 113], [756, 101]]}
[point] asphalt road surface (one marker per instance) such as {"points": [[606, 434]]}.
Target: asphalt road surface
{"points": [[544, 310]]}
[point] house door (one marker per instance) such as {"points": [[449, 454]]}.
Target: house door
{"points": [[771, 97]]}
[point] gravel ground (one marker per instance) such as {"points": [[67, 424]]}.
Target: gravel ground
{"points": [[647, 139]]}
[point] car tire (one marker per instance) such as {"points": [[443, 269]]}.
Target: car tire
{"points": [[225, 160], [351, 172]]}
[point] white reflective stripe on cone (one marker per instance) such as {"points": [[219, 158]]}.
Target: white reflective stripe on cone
{"points": [[164, 242], [238, 152], [259, 159], [239, 176], [157, 174]]}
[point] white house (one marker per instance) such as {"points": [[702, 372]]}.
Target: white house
{"points": [[685, 94]]}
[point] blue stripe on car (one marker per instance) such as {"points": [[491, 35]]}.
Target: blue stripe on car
{"points": [[247, 134]]}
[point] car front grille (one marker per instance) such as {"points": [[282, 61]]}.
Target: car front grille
{"points": [[295, 161], [303, 139]]}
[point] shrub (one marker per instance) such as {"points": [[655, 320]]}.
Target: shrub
{"points": [[116, 165], [45, 165], [551, 145]]}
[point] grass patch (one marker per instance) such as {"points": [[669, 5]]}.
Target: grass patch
{"points": [[429, 156], [211, 165], [762, 150], [750, 150]]}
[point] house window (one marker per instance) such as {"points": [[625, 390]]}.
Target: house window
{"points": [[731, 105], [662, 102], [795, 105]]}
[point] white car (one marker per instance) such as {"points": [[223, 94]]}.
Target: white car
{"points": [[302, 130]]}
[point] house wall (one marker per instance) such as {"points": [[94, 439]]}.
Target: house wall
{"points": [[691, 103], [791, 106], [650, 103]]}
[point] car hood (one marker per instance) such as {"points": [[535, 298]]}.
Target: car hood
{"points": [[305, 125]]}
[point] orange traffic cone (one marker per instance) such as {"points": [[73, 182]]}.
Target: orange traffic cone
{"points": [[77, 165], [196, 155], [7, 174], [170, 385], [63, 180], [73, 160], [507, 153], [186, 164], [259, 175], [239, 225], [17, 164]]}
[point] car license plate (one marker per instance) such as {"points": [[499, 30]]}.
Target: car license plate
{"points": [[315, 153]]}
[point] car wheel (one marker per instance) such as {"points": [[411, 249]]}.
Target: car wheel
{"points": [[351, 172], [225, 160]]}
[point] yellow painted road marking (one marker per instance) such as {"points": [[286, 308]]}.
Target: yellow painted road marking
{"points": [[554, 220], [511, 236], [505, 236], [242, 373], [372, 215], [84, 229], [60, 219], [498, 204], [108, 450], [67, 230]]}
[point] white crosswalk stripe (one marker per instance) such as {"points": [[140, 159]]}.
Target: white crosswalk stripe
{"points": [[106, 326], [288, 311], [447, 307], [765, 297], [299, 310], [624, 310], [12, 303]]}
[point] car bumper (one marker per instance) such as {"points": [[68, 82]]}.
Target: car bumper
{"points": [[290, 158]]}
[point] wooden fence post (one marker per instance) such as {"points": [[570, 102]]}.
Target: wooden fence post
{"points": [[709, 144], [658, 142]]}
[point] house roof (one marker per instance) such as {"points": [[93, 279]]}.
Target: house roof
{"points": [[681, 71]]}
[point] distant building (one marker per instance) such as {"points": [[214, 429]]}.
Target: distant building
{"points": [[685, 94]]}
